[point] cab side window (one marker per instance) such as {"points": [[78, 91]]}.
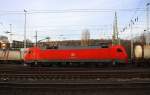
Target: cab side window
{"points": [[119, 50], [30, 52]]}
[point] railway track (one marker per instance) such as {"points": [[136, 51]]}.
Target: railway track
{"points": [[73, 81], [19, 72], [70, 77], [70, 74], [72, 88]]}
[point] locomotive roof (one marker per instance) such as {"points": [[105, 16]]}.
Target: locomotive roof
{"points": [[78, 47]]}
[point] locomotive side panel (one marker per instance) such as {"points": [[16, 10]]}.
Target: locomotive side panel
{"points": [[80, 54]]}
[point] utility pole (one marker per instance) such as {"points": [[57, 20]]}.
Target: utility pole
{"points": [[10, 35], [36, 38], [147, 17], [116, 26], [10, 31], [25, 13], [131, 41]]}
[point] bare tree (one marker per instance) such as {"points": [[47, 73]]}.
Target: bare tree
{"points": [[85, 39]]}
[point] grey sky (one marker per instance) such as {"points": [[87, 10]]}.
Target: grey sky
{"points": [[69, 23]]}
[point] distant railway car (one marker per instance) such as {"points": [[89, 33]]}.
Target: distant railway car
{"points": [[97, 55], [142, 54], [11, 56]]}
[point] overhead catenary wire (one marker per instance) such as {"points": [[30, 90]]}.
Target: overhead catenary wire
{"points": [[5, 12]]}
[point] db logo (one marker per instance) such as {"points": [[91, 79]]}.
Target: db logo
{"points": [[72, 55]]}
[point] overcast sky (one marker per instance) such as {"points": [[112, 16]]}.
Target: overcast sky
{"points": [[66, 19]]}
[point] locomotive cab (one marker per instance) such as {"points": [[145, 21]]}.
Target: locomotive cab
{"points": [[31, 53], [119, 55]]}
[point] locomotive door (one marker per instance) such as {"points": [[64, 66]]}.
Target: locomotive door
{"points": [[116, 55], [119, 53]]}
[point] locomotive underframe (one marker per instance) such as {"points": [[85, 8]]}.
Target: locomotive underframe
{"points": [[76, 62], [11, 61]]}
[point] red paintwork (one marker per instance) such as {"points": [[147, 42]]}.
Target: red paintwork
{"points": [[77, 54]]}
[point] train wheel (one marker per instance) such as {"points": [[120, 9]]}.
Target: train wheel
{"points": [[114, 63], [91, 65], [32, 64], [81, 64], [63, 64], [54, 64]]}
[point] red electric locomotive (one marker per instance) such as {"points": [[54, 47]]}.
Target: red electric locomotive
{"points": [[112, 54]]}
